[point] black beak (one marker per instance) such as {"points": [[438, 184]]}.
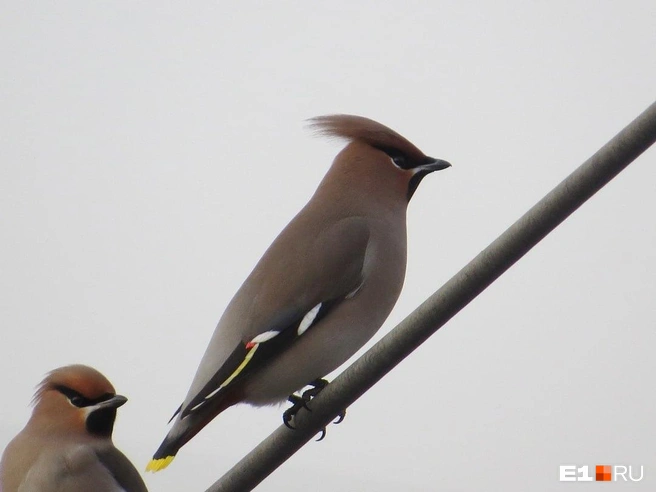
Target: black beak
{"points": [[114, 402], [431, 164]]}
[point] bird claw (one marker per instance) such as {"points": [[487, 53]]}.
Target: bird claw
{"points": [[317, 386], [297, 403], [286, 419], [301, 401], [340, 417]]}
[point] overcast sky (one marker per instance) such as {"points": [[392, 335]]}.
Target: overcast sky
{"points": [[151, 152]]}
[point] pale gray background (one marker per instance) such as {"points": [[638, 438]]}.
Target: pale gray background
{"points": [[151, 152]]}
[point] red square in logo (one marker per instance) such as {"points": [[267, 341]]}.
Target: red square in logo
{"points": [[603, 473]]}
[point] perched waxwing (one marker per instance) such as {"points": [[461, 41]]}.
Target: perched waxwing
{"points": [[321, 290], [66, 445]]}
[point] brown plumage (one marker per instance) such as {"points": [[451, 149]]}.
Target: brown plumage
{"points": [[84, 379], [351, 128], [66, 445], [321, 290]]}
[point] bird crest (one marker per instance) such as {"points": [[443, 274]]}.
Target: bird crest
{"points": [[359, 128], [83, 379]]}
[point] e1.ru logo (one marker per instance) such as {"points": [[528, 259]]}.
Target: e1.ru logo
{"points": [[603, 473]]}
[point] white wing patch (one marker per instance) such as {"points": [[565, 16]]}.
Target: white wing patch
{"points": [[308, 319], [263, 337], [252, 347]]}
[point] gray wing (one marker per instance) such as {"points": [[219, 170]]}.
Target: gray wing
{"points": [[296, 283], [122, 470], [83, 468]]}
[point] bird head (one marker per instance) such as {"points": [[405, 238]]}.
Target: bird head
{"points": [[76, 399], [376, 155]]}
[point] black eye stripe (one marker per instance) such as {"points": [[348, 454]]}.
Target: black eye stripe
{"points": [[78, 399], [399, 159]]}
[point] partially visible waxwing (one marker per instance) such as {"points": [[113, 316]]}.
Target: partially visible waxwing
{"points": [[321, 290], [66, 445]]}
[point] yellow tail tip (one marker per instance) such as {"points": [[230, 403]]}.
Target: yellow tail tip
{"points": [[156, 465]]}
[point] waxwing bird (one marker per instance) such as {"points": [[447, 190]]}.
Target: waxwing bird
{"points": [[66, 445], [321, 290]]}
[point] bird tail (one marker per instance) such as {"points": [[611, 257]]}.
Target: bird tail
{"points": [[157, 464], [164, 454], [183, 430]]}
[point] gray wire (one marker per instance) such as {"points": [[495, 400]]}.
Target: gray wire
{"points": [[493, 261]]}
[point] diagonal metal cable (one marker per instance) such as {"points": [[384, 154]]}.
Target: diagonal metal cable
{"points": [[462, 288]]}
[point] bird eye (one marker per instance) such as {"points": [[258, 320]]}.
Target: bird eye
{"points": [[399, 161], [79, 401], [74, 397], [396, 156]]}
